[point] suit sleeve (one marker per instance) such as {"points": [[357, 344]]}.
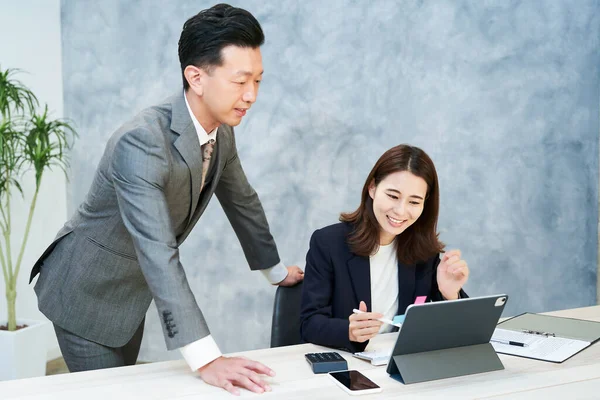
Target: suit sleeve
{"points": [[436, 295], [139, 170], [317, 324], [245, 213]]}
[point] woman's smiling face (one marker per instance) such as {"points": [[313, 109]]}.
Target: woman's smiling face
{"points": [[398, 202]]}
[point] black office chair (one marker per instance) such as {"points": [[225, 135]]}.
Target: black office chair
{"points": [[285, 329]]}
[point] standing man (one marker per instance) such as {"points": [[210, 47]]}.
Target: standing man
{"points": [[120, 249]]}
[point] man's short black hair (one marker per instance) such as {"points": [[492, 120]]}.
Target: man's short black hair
{"points": [[208, 32]]}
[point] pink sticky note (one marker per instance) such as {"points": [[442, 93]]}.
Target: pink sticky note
{"points": [[420, 299]]}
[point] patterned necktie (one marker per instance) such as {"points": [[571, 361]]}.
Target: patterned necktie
{"points": [[207, 150]]}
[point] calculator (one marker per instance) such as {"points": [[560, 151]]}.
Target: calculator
{"points": [[321, 363]]}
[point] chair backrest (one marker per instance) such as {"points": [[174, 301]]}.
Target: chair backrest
{"points": [[285, 329]]}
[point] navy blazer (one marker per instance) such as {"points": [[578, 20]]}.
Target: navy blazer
{"points": [[336, 280]]}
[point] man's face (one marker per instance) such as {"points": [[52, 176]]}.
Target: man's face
{"points": [[229, 90]]}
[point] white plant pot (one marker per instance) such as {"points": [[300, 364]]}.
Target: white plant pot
{"points": [[23, 352]]}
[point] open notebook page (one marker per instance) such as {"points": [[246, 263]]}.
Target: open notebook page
{"points": [[540, 347]]}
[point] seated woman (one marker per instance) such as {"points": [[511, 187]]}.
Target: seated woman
{"points": [[380, 257]]}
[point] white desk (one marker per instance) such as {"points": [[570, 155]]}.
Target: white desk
{"points": [[576, 378]]}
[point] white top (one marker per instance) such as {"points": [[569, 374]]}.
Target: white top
{"points": [[384, 283], [202, 351]]}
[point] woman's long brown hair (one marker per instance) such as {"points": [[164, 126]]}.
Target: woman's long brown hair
{"points": [[419, 241]]}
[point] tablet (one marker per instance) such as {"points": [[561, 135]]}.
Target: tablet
{"points": [[436, 335]]}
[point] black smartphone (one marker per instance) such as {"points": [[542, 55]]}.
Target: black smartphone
{"points": [[353, 382]]}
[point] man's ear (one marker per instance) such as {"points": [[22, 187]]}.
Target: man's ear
{"points": [[195, 78]]}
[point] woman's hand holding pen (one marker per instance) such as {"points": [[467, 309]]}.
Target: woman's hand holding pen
{"points": [[452, 274], [365, 325]]}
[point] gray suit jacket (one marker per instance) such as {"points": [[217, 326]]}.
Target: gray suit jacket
{"points": [[120, 249]]}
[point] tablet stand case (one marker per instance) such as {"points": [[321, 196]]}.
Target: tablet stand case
{"points": [[446, 339], [447, 363]]}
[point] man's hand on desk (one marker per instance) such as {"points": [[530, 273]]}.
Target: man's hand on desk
{"points": [[295, 275], [230, 373]]}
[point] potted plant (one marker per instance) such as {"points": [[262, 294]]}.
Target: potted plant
{"points": [[30, 141]]}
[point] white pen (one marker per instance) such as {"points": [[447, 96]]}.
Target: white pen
{"points": [[384, 320]]}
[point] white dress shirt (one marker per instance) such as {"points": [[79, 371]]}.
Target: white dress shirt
{"points": [[202, 351], [384, 283]]}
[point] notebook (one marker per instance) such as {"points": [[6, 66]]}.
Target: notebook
{"points": [[377, 357]]}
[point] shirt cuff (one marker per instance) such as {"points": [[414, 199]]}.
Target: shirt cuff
{"points": [[276, 273], [201, 352]]}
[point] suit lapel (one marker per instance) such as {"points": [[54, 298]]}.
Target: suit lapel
{"points": [[406, 286], [360, 275], [188, 145]]}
